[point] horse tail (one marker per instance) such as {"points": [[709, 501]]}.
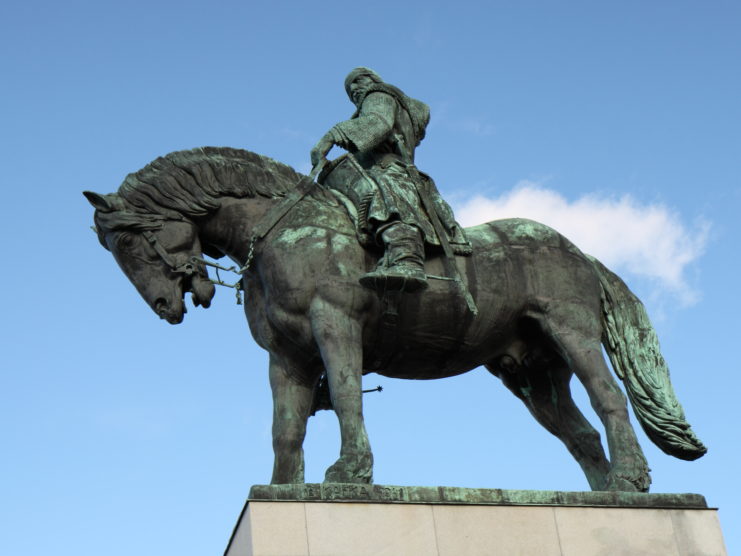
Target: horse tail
{"points": [[633, 348]]}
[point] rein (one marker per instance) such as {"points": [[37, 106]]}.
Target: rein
{"points": [[186, 268], [263, 228]]}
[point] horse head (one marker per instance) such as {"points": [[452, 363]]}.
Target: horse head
{"points": [[159, 255]]}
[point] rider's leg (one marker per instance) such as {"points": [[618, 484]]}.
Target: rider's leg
{"points": [[403, 265]]}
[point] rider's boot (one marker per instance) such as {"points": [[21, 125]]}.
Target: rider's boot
{"points": [[403, 265]]}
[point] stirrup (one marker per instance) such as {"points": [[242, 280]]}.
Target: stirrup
{"points": [[405, 278]]}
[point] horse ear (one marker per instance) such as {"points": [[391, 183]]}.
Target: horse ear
{"points": [[98, 201]]}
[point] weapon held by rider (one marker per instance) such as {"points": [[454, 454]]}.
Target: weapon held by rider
{"points": [[317, 170]]}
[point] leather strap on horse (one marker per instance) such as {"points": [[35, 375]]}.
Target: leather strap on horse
{"points": [[278, 211], [263, 227], [187, 268], [386, 341]]}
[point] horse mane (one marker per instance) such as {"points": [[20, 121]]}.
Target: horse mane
{"points": [[190, 183], [187, 184]]}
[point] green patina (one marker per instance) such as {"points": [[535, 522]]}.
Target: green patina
{"points": [[531, 230], [538, 310], [295, 235], [350, 492]]}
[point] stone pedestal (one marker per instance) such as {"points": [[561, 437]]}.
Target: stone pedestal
{"points": [[313, 519]]}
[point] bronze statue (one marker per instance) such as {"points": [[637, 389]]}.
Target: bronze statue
{"points": [[398, 207], [544, 308]]}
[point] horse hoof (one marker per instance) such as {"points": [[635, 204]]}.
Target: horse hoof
{"points": [[342, 472], [333, 476], [624, 484]]}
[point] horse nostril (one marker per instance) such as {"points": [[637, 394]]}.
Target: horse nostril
{"points": [[160, 305]]}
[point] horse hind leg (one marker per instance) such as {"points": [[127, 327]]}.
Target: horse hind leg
{"points": [[577, 340], [546, 393]]}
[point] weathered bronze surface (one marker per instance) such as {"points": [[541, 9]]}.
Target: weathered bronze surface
{"points": [[538, 309], [398, 207], [351, 492]]}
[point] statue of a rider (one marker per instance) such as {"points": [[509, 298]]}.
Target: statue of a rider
{"points": [[393, 199]]}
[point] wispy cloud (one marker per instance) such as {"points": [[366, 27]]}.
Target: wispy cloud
{"points": [[648, 240]]}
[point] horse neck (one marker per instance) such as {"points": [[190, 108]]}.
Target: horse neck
{"points": [[231, 227]]}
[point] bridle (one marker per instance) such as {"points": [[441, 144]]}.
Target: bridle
{"points": [[188, 267], [263, 227]]}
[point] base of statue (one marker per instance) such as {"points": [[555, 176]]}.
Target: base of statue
{"points": [[344, 519]]}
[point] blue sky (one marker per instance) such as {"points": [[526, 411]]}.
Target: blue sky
{"points": [[125, 435]]}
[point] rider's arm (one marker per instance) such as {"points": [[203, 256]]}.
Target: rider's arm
{"points": [[372, 126]]}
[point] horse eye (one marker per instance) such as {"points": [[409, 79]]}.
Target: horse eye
{"points": [[124, 240]]}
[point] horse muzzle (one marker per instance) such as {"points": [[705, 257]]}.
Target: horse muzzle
{"points": [[173, 315], [203, 291]]}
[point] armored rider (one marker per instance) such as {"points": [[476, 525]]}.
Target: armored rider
{"points": [[378, 174]]}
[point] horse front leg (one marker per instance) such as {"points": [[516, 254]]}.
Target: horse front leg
{"points": [[339, 338], [291, 407]]}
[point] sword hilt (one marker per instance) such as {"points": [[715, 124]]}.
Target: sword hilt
{"points": [[316, 170]]}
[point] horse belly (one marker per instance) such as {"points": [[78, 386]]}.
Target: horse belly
{"points": [[438, 336]]}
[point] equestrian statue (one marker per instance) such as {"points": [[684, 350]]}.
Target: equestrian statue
{"points": [[366, 270]]}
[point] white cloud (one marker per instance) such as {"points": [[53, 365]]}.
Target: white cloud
{"points": [[648, 240]]}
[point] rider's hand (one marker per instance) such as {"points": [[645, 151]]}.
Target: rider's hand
{"points": [[322, 148]]}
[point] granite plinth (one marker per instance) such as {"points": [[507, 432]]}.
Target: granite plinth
{"points": [[339, 519]]}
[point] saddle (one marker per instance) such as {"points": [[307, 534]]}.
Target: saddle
{"points": [[356, 188]]}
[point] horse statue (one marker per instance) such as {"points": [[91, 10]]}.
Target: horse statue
{"points": [[545, 310]]}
